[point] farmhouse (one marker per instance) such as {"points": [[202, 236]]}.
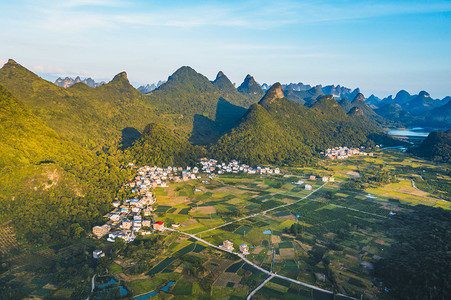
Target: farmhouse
{"points": [[244, 248], [96, 254], [158, 225], [227, 245], [100, 231]]}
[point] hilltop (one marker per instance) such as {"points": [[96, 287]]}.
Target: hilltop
{"points": [[94, 116]]}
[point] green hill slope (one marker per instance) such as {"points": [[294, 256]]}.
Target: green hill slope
{"points": [[251, 89], [230, 93], [278, 130], [436, 147], [158, 146], [50, 187], [80, 113], [190, 104]]}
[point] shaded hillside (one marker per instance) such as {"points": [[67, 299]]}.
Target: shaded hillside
{"points": [[158, 146], [278, 130], [437, 117], [251, 89], [294, 96], [230, 93], [436, 147], [345, 104], [80, 112], [188, 103], [421, 103], [310, 96], [59, 188], [359, 102]]}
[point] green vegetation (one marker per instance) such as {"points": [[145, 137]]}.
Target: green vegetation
{"points": [[418, 264], [160, 147], [59, 188], [287, 133], [94, 117], [436, 147]]}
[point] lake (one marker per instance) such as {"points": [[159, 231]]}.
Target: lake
{"points": [[416, 132]]}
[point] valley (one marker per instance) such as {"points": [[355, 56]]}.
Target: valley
{"points": [[330, 238], [107, 192]]}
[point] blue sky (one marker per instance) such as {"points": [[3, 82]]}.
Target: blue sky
{"points": [[379, 46]]}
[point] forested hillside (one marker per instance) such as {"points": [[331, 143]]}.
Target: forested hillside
{"points": [[436, 147], [280, 131], [158, 146], [86, 115], [50, 187]]}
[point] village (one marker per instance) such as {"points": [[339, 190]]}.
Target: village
{"points": [[134, 216], [344, 152]]}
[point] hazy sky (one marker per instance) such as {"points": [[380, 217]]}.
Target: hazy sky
{"points": [[379, 46]]}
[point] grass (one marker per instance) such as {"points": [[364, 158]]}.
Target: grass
{"points": [[143, 286], [115, 268], [183, 288]]}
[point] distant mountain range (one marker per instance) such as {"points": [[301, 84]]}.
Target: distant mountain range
{"points": [[421, 109], [68, 81], [309, 93], [149, 87]]}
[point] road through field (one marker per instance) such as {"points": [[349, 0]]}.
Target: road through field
{"points": [[264, 212]]}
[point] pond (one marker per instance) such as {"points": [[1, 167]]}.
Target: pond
{"points": [[154, 293], [104, 289], [110, 282], [267, 231]]}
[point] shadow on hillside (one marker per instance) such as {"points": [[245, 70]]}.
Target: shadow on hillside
{"points": [[129, 136], [206, 131], [227, 115]]}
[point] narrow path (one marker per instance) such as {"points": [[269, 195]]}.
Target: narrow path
{"points": [[93, 285], [256, 266], [263, 212], [259, 287], [429, 194]]}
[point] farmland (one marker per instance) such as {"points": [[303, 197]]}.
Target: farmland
{"points": [[331, 238]]}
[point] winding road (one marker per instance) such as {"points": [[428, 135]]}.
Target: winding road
{"points": [[240, 255], [253, 264]]}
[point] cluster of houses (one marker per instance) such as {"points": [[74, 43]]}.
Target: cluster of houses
{"points": [[228, 245], [134, 215], [211, 166], [344, 152], [151, 177], [128, 218]]}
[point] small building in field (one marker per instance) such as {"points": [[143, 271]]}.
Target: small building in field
{"points": [[96, 254], [244, 248], [331, 179], [158, 225], [312, 177], [308, 187], [227, 245], [325, 179]]}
